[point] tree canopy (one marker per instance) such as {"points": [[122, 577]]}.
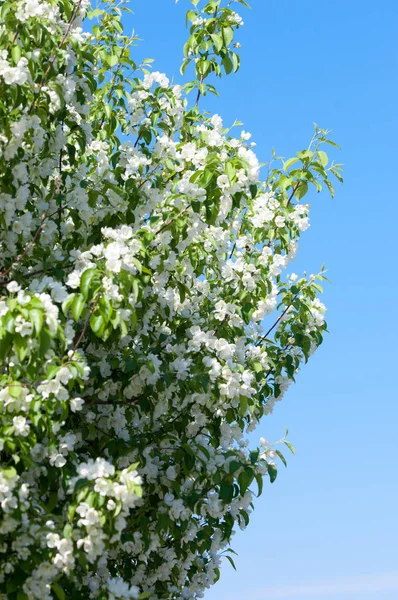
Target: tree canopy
{"points": [[147, 322]]}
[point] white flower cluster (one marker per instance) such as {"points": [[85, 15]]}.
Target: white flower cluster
{"points": [[13, 75]]}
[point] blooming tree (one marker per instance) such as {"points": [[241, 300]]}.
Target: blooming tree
{"points": [[140, 259]]}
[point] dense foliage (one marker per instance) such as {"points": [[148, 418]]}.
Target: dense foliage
{"points": [[140, 255]]}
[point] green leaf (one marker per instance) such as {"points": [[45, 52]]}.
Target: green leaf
{"points": [[260, 482], [235, 61], [9, 472], [330, 187], [289, 163], [205, 451], [133, 319], [11, 587], [78, 306], [68, 302], [5, 343], [217, 41], [305, 154], [52, 502], [301, 190], [227, 64], [245, 478], [228, 35], [253, 190], [15, 389], [86, 280], [283, 459], [184, 65], [290, 446], [182, 290], [337, 174], [284, 182], [96, 323], [230, 171], [111, 59], [123, 328], [203, 67], [59, 592], [226, 492], [323, 158], [95, 13], [21, 345], [326, 141], [115, 319], [272, 472], [190, 16], [242, 405], [234, 466], [16, 53], [245, 516], [230, 560], [105, 308], [108, 111], [44, 341], [36, 318], [9, 322]]}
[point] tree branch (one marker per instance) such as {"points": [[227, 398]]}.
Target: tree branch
{"points": [[44, 216], [277, 321], [83, 331], [52, 61]]}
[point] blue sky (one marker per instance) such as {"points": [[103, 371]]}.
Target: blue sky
{"points": [[327, 528]]}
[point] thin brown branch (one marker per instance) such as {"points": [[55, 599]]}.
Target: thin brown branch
{"points": [[225, 319], [277, 320], [83, 331], [14, 39], [170, 221], [296, 187], [199, 92], [52, 61], [39, 271], [60, 208], [233, 248], [238, 233], [294, 190], [36, 235]]}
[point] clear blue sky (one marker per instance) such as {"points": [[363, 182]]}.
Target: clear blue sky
{"points": [[327, 528]]}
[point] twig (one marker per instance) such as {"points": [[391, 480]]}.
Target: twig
{"points": [[83, 331], [199, 92], [60, 204], [14, 39], [52, 61], [293, 192], [170, 221], [39, 271], [38, 231], [113, 83], [277, 321], [295, 188], [238, 234]]}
